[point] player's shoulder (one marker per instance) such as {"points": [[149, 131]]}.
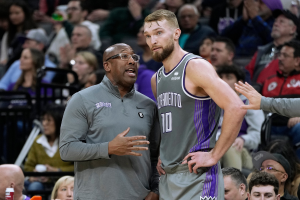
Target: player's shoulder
{"points": [[199, 65]]}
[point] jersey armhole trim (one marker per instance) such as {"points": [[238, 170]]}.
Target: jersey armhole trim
{"points": [[183, 83]]}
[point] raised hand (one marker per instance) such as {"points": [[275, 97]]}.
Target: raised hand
{"points": [[251, 94], [122, 145], [135, 9]]}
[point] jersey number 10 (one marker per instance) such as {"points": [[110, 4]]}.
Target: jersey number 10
{"points": [[166, 120]]}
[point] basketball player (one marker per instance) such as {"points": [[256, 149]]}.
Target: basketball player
{"points": [[190, 96]]}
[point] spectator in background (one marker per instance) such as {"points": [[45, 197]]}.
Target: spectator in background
{"points": [[63, 188], [77, 13], [35, 39], [146, 55], [143, 81], [12, 176], [47, 7], [222, 52], [171, 5], [235, 184], [81, 39], [225, 14], [254, 27], [125, 22], [263, 186], [205, 48], [286, 149], [238, 155], [95, 78], [276, 165], [44, 149], [31, 60], [286, 83], [192, 32], [85, 64], [4, 17], [264, 62], [20, 21]]}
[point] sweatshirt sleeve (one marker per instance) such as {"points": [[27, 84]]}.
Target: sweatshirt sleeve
{"points": [[254, 119], [281, 106], [31, 160], [154, 152], [74, 129]]}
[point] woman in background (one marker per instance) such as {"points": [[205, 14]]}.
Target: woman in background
{"points": [[63, 188]]}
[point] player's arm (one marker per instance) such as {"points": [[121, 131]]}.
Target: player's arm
{"points": [[201, 74], [153, 85]]}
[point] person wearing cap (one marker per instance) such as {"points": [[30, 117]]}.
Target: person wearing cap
{"points": [[277, 165], [254, 27], [35, 39], [285, 29]]}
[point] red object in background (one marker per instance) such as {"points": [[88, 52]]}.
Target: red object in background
{"points": [[9, 194]]}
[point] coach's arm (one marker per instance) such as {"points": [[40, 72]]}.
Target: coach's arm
{"points": [[201, 78]]}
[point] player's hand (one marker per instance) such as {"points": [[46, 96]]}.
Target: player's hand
{"points": [[199, 159], [293, 121], [160, 170], [238, 144], [152, 196], [251, 94], [122, 145]]}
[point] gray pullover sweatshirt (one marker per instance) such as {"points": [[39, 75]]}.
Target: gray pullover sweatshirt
{"points": [[94, 117], [281, 106]]}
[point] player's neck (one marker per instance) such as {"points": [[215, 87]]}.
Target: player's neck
{"points": [[174, 58]]}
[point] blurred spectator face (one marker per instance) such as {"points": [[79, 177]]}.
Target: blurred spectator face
{"points": [[26, 60], [188, 18], [287, 61], [205, 48], [16, 15], [75, 13], [232, 191], [82, 69], [263, 193], [4, 24], [32, 44], [141, 40], [283, 27], [234, 3], [174, 3], [230, 79], [80, 37], [264, 10], [275, 168], [143, 3], [220, 55], [159, 39], [48, 125], [65, 191], [92, 79]]}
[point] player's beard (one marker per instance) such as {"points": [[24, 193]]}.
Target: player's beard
{"points": [[165, 53]]}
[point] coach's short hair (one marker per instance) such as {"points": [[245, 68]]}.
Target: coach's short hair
{"points": [[162, 14], [263, 179], [236, 175]]}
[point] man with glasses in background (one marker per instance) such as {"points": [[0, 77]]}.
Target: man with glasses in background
{"points": [[277, 165], [112, 134]]}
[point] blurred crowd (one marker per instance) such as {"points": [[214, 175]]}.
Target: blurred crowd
{"points": [[256, 41]]}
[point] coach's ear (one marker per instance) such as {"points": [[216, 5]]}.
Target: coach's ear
{"points": [[107, 66], [177, 34]]}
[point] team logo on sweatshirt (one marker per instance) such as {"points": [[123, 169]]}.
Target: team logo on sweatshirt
{"points": [[272, 86], [141, 115], [103, 104], [208, 198]]}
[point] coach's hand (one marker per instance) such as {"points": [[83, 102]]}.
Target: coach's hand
{"points": [[160, 170], [152, 196], [199, 159], [122, 145]]}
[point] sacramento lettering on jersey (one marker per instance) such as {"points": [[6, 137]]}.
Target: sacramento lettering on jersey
{"points": [[169, 99]]}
